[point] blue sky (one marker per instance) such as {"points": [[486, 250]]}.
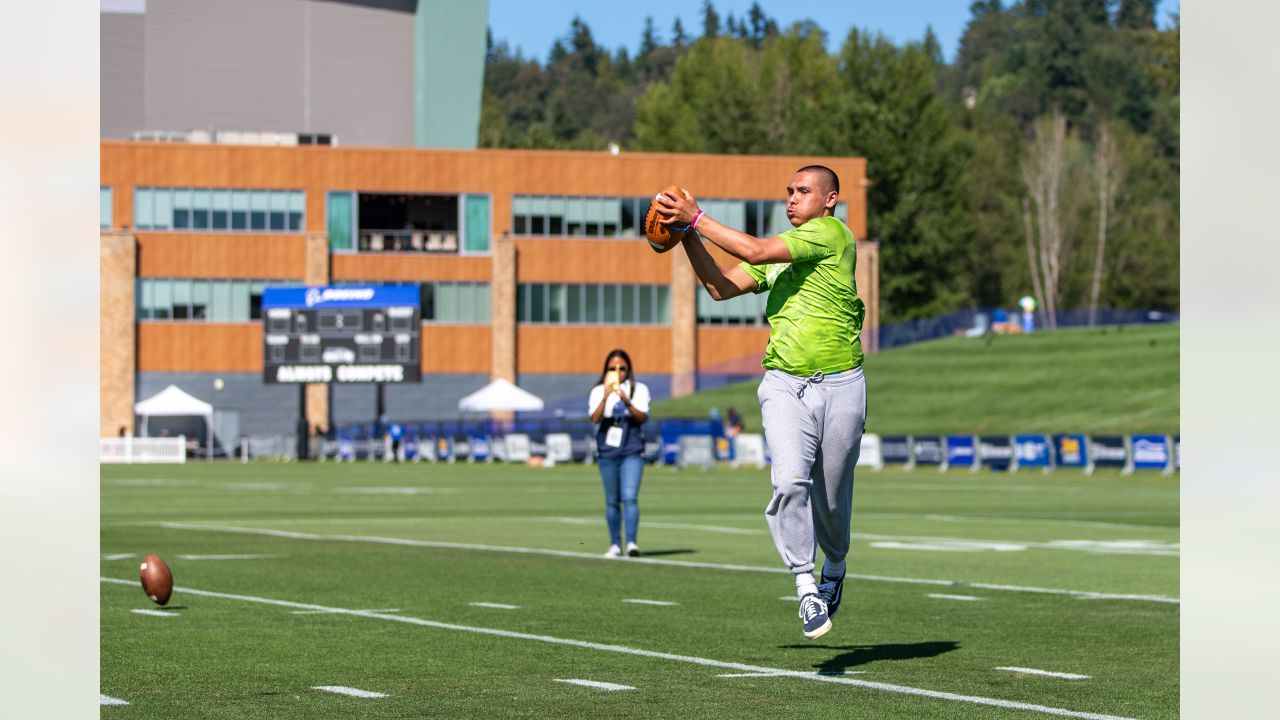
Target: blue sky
{"points": [[534, 26]]}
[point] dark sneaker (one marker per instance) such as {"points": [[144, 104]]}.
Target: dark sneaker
{"points": [[830, 589], [813, 611]]}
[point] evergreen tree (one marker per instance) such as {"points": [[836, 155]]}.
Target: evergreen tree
{"points": [[677, 33], [1137, 14], [710, 20]]}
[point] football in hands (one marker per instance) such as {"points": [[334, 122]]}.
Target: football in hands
{"points": [[662, 237]]}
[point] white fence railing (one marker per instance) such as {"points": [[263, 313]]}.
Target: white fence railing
{"points": [[143, 450]]}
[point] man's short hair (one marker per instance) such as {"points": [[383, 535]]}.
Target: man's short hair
{"points": [[828, 175]]}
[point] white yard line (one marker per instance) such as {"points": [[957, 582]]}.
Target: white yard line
{"points": [[594, 684], [638, 601], [1113, 547], [496, 606], [108, 700], [230, 557], [1084, 594], [622, 649], [119, 556], [349, 691], [944, 596], [1033, 671], [330, 612], [157, 613]]}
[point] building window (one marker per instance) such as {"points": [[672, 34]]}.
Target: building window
{"points": [[218, 209], [477, 224], [592, 304], [202, 299], [104, 207], [341, 220], [747, 309]]}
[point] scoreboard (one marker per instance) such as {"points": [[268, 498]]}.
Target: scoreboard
{"points": [[369, 334]]}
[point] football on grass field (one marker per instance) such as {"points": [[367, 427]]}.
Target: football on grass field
{"points": [[157, 580]]}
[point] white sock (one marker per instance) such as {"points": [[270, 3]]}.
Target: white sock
{"points": [[833, 569], [805, 585]]}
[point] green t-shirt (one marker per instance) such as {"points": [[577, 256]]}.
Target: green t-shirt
{"points": [[814, 311]]}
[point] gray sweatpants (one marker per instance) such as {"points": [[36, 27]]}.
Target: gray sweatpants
{"points": [[814, 430]]}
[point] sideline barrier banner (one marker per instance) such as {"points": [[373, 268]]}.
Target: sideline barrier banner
{"points": [[1109, 451], [559, 447], [1072, 451], [996, 453], [896, 449], [928, 450], [960, 451], [724, 449], [462, 448], [696, 450], [749, 450], [1177, 452], [518, 449], [1032, 451], [1151, 452], [480, 451], [869, 453]]}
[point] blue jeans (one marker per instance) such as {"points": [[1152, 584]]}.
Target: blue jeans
{"points": [[621, 477]]}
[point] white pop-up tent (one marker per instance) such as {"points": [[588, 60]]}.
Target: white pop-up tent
{"points": [[173, 402], [500, 395]]}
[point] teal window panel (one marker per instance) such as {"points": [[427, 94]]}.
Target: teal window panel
{"points": [[478, 226], [220, 212], [341, 220], [297, 210], [182, 209], [239, 209], [663, 304], [104, 207]]}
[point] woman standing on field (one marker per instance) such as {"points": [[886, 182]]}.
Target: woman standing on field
{"points": [[619, 405]]}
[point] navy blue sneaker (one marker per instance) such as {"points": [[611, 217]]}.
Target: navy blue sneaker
{"points": [[831, 589], [813, 611]]}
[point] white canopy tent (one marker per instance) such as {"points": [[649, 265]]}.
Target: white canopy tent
{"points": [[173, 402], [500, 395]]}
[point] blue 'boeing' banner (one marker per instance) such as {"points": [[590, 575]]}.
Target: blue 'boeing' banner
{"points": [[340, 297]]}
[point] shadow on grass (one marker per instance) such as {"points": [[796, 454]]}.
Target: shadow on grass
{"points": [[673, 551], [863, 654]]}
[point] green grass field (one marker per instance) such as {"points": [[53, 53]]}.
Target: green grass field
{"points": [[1103, 380], [367, 576]]}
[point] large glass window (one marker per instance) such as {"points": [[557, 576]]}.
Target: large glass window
{"points": [[747, 309], [580, 216], [159, 208], [561, 303]]}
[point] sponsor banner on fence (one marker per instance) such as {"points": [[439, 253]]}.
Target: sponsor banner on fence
{"points": [[895, 448], [1150, 452], [928, 450], [1032, 450], [960, 450], [1108, 451], [869, 454], [995, 452], [1072, 450], [1177, 452], [480, 448]]}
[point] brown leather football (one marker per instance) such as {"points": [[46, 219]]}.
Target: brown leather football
{"points": [[157, 580], [662, 237]]}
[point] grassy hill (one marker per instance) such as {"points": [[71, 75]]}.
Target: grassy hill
{"points": [[1100, 380]]}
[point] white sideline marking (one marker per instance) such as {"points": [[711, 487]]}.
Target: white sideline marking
{"points": [[108, 700], [257, 485], [397, 490], [669, 526], [945, 546], [497, 606], [1083, 594], [157, 613], [944, 596], [1030, 521], [1129, 547], [352, 692], [231, 557], [1033, 671], [638, 601], [594, 684], [330, 612], [690, 659], [119, 556]]}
